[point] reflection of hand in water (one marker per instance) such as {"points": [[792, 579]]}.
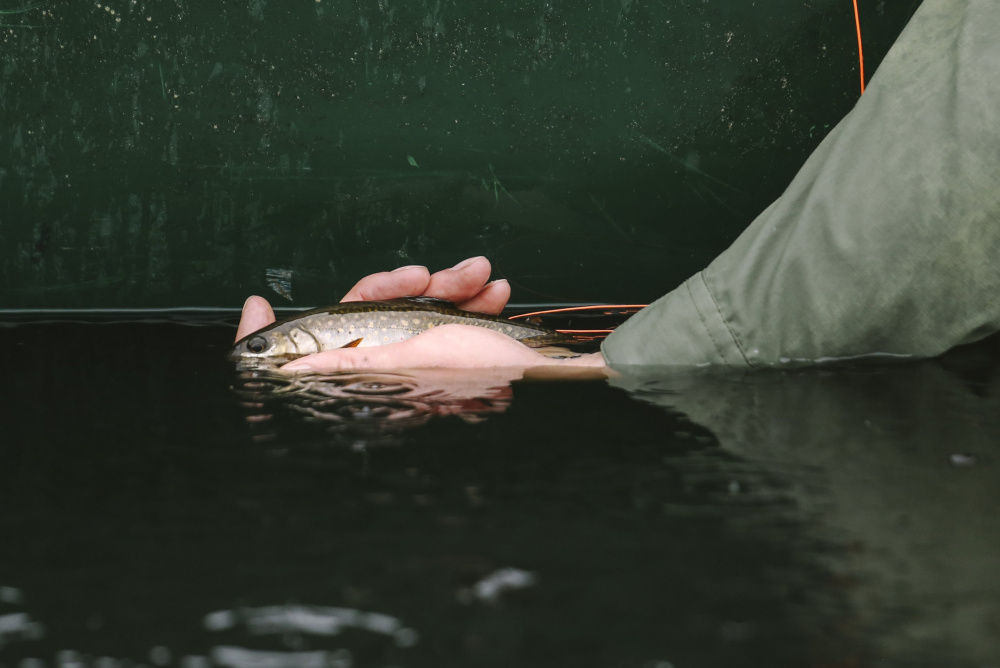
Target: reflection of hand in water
{"points": [[375, 406], [451, 346]]}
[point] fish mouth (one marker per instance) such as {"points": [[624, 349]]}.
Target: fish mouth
{"points": [[238, 355]]}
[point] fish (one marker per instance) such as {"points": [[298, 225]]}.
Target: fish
{"points": [[364, 324]]}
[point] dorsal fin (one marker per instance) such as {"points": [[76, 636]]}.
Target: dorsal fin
{"points": [[428, 301]]}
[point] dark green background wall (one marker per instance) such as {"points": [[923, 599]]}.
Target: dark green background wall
{"points": [[189, 153]]}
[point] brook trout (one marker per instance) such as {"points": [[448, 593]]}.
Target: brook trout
{"points": [[363, 324]]}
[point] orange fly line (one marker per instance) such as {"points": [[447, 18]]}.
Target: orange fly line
{"points": [[861, 57], [570, 309], [861, 64]]}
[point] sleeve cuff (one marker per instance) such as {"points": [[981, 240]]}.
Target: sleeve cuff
{"points": [[682, 328]]}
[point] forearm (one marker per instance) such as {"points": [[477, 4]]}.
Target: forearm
{"points": [[886, 240]]}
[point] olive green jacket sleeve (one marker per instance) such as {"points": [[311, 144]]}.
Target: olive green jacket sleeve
{"points": [[887, 240]]}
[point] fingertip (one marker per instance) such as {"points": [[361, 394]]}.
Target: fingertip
{"points": [[491, 299], [340, 359], [303, 365], [500, 288], [256, 313], [468, 262], [462, 282]]}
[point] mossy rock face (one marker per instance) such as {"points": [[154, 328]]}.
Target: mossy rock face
{"points": [[180, 155]]}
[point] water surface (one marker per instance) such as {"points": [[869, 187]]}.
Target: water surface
{"points": [[158, 508]]}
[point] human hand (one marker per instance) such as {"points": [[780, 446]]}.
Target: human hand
{"points": [[465, 285], [452, 346]]}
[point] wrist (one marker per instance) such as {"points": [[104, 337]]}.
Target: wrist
{"points": [[589, 359], [585, 367]]}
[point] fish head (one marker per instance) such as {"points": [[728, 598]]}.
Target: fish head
{"points": [[265, 344], [286, 342]]}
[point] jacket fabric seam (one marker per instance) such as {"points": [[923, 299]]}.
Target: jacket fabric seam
{"points": [[704, 323], [718, 311]]}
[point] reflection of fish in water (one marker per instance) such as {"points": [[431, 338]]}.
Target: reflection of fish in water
{"points": [[366, 408], [371, 323]]}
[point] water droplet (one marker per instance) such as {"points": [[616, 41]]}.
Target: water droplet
{"points": [[11, 595], [959, 459], [160, 656]]}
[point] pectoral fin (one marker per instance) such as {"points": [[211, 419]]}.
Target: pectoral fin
{"points": [[353, 344]]}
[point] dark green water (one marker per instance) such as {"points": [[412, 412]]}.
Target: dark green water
{"points": [[191, 153], [159, 509]]}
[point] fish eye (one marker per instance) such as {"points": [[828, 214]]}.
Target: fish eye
{"points": [[257, 344]]}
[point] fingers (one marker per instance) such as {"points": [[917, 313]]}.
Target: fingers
{"points": [[402, 282], [257, 313], [491, 299], [462, 282], [344, 359]]}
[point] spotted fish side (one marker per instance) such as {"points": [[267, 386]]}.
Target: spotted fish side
{"points": [[365, 324]]}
